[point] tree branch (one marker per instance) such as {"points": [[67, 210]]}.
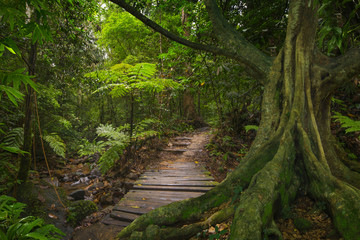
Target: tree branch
{"points": [[347, 66], [235, 42], [255, 63]]}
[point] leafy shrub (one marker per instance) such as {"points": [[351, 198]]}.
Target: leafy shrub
{"points": [[12, 227]]}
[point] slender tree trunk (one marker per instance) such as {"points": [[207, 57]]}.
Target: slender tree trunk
{"points": [[25, 161]]}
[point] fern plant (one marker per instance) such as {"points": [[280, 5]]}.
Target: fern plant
{"points": [[56, 144], [10, 145], [251, 127], [12, 227], [90, 148], [146, 128], [350, 125]]}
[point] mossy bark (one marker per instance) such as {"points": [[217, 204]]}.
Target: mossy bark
{"points": [[293, 150]]}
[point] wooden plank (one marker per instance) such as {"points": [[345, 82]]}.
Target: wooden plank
{"points": [[108, 220], [180, 143], [159, 194], [141, 204], [183, 179], [134, 210], [182, 138], [192, 172], [158, 199], [123, 216], [182, 150], [172, 188], [175, 182]]}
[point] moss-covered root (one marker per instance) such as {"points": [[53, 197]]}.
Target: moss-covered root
{"points": [[343, 200], [154, 232], [268, 188]]}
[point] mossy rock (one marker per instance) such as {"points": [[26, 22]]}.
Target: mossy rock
{"points": [[79, 210], [302, 224]]}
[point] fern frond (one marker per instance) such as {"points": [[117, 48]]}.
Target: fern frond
{"points": [[110, 132], [109, 158], [251, 127], [90, 148], [349, 124], [14, 138], [142, 71], [56, 144]]}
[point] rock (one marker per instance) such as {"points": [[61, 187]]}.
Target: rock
{"points": [[79, 173], [96, 185], [52, 181], [66, 178], [133, 176], [117, 184], [78, 194], [106, 199], [302, 224], [95, 172]]}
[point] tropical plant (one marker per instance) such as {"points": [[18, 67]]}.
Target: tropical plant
{"points": [[56, 143], [15, 227], [349, 124]]}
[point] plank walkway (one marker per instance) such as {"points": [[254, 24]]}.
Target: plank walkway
{"points": [[172, 181]]}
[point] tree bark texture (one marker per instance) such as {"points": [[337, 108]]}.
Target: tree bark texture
{"points": [[294, 150]]}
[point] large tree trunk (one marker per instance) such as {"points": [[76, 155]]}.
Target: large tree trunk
{"points": [[293, 151]]}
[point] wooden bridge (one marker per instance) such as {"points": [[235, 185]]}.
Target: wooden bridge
{"points": [[172, 180]]}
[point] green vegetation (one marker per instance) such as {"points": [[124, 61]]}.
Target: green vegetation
{"points": [[102, 78], [15, 227]]}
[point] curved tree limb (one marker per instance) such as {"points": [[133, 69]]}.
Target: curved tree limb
{"points": [[255, 62], [342, 69], [246, 52]]}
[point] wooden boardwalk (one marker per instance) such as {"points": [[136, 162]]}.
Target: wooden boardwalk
{"points": [[172, 181]]}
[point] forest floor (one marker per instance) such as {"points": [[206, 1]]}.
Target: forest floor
{"points": [[304, 220]]}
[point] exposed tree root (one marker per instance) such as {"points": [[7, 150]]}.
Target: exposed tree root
{"points": [[153, 232], [267, 192], [342, 199]]}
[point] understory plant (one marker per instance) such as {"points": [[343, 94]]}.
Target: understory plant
{"points": [[15, 227]]}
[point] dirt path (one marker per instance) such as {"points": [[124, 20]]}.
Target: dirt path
{"points": [[180, 174]]}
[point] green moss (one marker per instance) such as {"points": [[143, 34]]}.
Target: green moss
{"points": [[266, 216], [79, 210]]}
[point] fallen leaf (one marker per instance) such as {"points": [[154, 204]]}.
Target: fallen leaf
{"points": [[53, 216], [52, 206], [196, 162], [135, 206], [143, 198], [139, 184]]}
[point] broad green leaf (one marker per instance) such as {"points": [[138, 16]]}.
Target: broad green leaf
{"points": [[36, 235]]}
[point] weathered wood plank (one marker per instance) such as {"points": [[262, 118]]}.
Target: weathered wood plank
{"points": [[175, 182], [163, 194], [123, 216], [108, 220], [172, 188], [134, 210], [183, 179], [182, 138]]}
